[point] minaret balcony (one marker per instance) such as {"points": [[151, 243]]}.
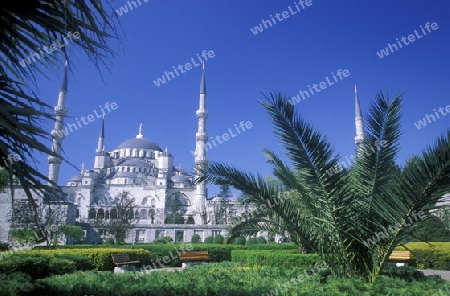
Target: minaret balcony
{"points": [[201, 114], [59, 110]]}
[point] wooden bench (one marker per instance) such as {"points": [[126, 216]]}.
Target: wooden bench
{"points": [[191, 258], [401, 258], [123, 261]]}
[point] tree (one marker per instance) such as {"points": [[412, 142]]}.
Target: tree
{"points": [[176, 214], [72, 232], [225, 192], [122, 218], [206, 218], [26, 28], [431, 229], [339, 215]]}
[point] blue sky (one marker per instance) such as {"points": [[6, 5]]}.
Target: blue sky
{"points": [[301, 50]]}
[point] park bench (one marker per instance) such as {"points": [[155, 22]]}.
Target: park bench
{"points": [[122, 262], [192, 258], [400, 258]]}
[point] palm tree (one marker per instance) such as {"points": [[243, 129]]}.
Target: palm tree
{"points": [[354, 217], [28, 31]]}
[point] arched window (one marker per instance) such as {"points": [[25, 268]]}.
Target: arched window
{"points": [[113, 214], [143, 215], [107, 214], [101, 213], [136, 214], [77, 213], [92, 214]]}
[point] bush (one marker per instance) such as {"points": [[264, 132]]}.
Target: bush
{"points": [[407, 273], [218, 239], [232, 279], [4, 246], [240, 240], [195, 238], [99, 257], [61, 266], [261, 240], [251, 241], [109, 241], [429, 256], [162, 240], [274, 246], [209, 240], [280, 259], [15, 283]]}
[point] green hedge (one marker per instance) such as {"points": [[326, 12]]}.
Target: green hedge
{"points": [[39, 266], [286, 258], [274, 246], [435, 255], [231, 279], [99, 257]]}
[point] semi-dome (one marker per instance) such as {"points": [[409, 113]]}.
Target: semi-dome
{"points": [[180, 179], [140, 143], [134, 162], [76, 178]]}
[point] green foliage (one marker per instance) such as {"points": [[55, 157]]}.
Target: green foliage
{"points": [[16, 283], [218, 239], [195, 238], [4, 246], [162, 240], [431, 229], [434, 255], [209, 240], [99, 257], [177, 211], [72, 232], [240, 240], [408, 273], [232, 279], [261, 240], [336, 212], [274, 246], [22, 235], [274, 258], [251, 241], [109, 241]]}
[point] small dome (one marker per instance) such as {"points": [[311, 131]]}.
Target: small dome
{"points": [[76, 178], [180, 179], [139, 143]]}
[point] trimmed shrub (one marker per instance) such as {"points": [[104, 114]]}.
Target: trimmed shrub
{"points": [[15, 283], [274, 246], [61, 266], [99, 257], [162, 240], [218, 239], [4, 246], [435, 255], [407, 273], [195, 238], [261, 240], [251, 241], [280, 259], [209, 240], [240, 240]]}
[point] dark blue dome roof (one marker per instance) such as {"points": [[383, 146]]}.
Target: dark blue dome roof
{"points": [[139, 143]]}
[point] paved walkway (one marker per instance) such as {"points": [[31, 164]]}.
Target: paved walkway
{"points": [[445, 274]]}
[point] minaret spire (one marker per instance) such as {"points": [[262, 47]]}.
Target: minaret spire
{"points": [[201, 138], [358, 121], [54, 161], [101, 138]]}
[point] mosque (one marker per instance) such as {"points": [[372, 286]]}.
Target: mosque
{"points": [[140, 167]]}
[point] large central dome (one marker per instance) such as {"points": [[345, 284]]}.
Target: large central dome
{"points": [[139, 143]]}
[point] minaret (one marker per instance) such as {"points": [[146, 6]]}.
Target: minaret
{"points": [[54, 161], [100, 153], [358, 122], [201, 138]]}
